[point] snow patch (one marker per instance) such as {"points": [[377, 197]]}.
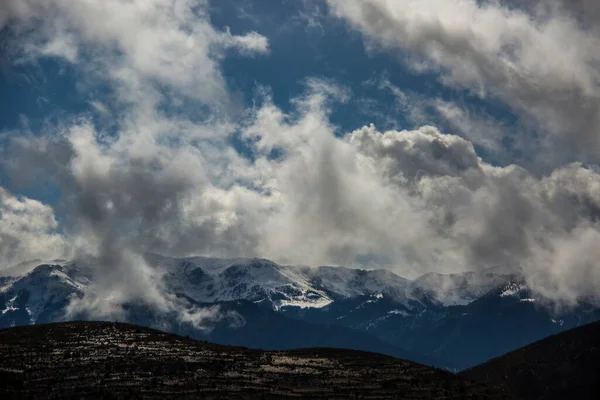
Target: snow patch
{"points": [[399, 312], [513, 289]]}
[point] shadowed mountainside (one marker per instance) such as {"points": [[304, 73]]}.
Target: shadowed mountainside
{"points": [[559, 367], [114, 360]]}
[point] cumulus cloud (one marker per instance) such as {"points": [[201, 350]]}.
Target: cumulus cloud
{"points": [[540, 60], [329, 205], [28, 230]]}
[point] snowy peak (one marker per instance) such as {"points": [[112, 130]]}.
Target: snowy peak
{"points": [[27, 266], [40, 294], [211, 280]]}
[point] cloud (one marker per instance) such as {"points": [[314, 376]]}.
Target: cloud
{"points": [[421, 200], [133, 43], [328, 203], [28, 230], [412, 201], [163, 175], [426, 151], [539, 60]]}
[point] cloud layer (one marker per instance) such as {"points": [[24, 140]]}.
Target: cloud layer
{"points": [[154, 167]]}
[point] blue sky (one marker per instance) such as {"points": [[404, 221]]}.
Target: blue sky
{"points": [[414, 136]]}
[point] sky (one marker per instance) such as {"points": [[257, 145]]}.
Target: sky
{"points": [[416, 136]]}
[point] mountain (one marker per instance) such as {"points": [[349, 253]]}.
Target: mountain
{"points": [[210, 280], [110, 360], [43, 294], [454, 321], [464, 288], [245, 323], [503, 319], [500, 321], [559, 367]]}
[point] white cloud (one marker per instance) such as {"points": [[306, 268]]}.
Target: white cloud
{"points": [[28, 230], [146, 187], [484, 215], [413, 201], [542, 62], [135, 43]]}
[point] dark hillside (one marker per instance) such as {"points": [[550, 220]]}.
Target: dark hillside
{"points": [[111, 360], [566, 365]]}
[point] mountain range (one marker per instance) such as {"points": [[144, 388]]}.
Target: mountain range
{"points": [[454, 321]]}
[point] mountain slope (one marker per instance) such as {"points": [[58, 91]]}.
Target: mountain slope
{"points": [[463, 288], [91, 359], [213, 280], [267, 329], [41, 294], [247, 324], [559, 367], [504, 319]]}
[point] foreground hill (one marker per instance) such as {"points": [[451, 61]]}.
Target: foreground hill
{"points": [[559, 367], [112, 360]]}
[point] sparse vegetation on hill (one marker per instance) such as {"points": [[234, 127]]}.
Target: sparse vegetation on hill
{"points": [[113, 360]]}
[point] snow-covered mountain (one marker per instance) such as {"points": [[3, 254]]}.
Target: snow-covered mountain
{"points": [[38, 285], [40, 294], [211, 280]]}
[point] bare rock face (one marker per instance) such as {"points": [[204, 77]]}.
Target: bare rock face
{"points": [[111, 360]]}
